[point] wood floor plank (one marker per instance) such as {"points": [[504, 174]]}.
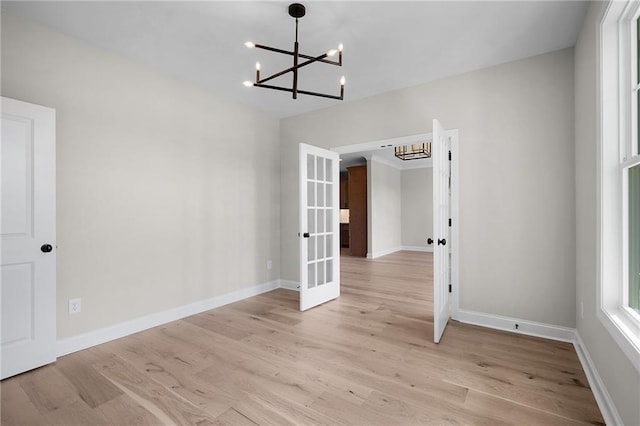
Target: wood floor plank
{"points": [[367, 357], [176, 371], [91, 386], [48, 389], [152, 396], [126, 412], [233, 417], [344, 412], [211, 324], [504, 411], [76, 413], [16, 407]]}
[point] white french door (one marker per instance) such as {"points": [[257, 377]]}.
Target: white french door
{"points": [[441, 260], [319, 226], [27, 236]]}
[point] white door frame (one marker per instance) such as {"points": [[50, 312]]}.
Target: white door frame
{"points": [[455, 196]]}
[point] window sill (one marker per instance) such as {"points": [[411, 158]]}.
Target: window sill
{"points": [[625, 330]]}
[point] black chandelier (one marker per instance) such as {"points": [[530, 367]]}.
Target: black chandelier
{"points": [[296, 10]]}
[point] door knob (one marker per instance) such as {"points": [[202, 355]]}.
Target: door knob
{"points": [[305, 235], [46, 248], [429, 241], [442, 241]]}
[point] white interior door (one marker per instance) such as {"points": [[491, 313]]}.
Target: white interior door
{"points": [[319, 226], [28, 225], [441, 259]]}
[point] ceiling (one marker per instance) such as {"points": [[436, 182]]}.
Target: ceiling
{"points": [[387, 44]]}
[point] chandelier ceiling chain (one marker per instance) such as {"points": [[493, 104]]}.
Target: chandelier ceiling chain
{"points": [[297, 10]]}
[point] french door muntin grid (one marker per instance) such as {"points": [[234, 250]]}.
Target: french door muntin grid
{"points": [[320, 256]]}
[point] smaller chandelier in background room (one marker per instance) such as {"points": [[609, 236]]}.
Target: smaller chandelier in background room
{"points": [[413, 152], [296, 10]]}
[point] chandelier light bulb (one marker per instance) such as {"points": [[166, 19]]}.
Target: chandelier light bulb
{"points": [[247, 83], [250, 45], [332, 52], [258, 66], [340, 47], [342, 81]]}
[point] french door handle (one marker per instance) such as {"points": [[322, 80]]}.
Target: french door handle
{"points": [[429, 241], [442, 241], [305, 235]]}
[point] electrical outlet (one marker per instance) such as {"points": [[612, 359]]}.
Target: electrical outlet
{"points": [[269, 265], [75, 306]]}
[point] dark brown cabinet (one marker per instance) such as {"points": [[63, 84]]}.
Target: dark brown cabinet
{"points": [[344, 235], [344, 190], [357, 201]]}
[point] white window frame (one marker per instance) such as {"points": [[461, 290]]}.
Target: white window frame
{"points": [[616, 153]]}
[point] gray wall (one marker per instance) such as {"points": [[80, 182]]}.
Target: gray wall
{"points": [[384, 208], [166, 194], [517, 241], [417, 206], [618, 374]]}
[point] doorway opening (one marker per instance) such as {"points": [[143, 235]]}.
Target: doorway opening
{"points": [[389, 182], [354, 210]]}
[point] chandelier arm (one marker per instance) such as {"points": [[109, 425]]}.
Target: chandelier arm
{"points": [[300, 65], [322, 95], [302, 92], [269, 86], [326, 61], [274, 49], [295, 64], [302, 55]]}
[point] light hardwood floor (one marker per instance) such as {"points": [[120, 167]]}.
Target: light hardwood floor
{"points": [[367, 358]]}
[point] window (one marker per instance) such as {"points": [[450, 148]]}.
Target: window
{"points": [[619, 176], [631, 180]]}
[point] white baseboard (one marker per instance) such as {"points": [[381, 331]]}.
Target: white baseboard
{"points": [[381, 253], [605, 403], [116, 331], [530, 328], [416, 248], [290, 285]]}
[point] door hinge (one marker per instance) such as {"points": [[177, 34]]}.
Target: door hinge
{"points": [[449, 221], [449, 155], [449, 288]]}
